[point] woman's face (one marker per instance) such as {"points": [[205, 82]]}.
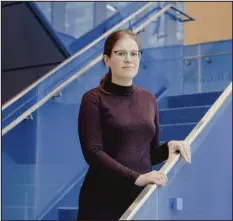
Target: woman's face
{"points": [[125, 58]]}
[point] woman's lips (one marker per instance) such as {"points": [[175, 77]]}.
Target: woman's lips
{"points": [[128, 67]]}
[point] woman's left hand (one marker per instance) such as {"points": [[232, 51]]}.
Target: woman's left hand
{"points": [[181, 146]]}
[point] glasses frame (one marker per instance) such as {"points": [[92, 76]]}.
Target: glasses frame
{"points": [[123, 58]]}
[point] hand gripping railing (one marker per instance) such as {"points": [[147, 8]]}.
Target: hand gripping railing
{"points": [[149, 189], [87, 67]]}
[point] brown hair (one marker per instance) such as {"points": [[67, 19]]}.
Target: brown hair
{"points": [[109, 45]]}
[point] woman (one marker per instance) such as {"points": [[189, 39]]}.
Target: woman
{"points": [[119, 135]]}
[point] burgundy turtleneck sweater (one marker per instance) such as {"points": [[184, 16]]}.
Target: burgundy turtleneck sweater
{"points": [[119, 132]]}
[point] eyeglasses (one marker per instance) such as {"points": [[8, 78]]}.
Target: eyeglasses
{"points": [[134, 55]]}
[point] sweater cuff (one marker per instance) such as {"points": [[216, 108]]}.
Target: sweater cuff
{"points": [[133, 176]]}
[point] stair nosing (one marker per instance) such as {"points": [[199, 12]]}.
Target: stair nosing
{"points": [[178, 124], [70, 208], [213, 93], [182, 108]]}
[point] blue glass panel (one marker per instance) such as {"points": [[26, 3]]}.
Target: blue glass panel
{"points": [[201, 190], [207, 67], [216, 73], [19, 172]]}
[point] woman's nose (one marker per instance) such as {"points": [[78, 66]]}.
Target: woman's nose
{"points": [[128, 57]]}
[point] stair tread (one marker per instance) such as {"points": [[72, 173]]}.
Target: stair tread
{"points": [[217, 93]]}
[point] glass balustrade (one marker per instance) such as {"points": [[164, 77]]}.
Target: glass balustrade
{"points": [[201, 190]]}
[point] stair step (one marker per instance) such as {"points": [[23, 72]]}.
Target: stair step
{"points": [[202, 99], [68, 213], [176, 131], [182, 115]]}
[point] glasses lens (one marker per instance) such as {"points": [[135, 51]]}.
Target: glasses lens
{"points": [[135, 55]]}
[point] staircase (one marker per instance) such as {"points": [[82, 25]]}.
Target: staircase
{"points": [[178, 116]]}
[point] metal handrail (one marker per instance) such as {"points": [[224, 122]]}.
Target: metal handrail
{"points": [[8, 103], [149, 189], [207, 55], [87, 67]]}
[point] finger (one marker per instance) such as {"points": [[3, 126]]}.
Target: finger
{"points": [[164, 176], [157, 173], [183, 153], [189, 154], [163, 180], [157, 180], [187, 150]]}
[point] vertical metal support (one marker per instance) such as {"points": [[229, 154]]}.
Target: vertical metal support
{"points": [[199, 89], [29, 117], [59, 94]]}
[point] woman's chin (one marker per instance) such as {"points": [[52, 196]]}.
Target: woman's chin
{"points": [[129, 73]]}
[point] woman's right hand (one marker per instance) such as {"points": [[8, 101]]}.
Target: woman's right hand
{"points": [[153, 177]]}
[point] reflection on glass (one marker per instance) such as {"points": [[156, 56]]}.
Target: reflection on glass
{"points": [[77, 18], [207, 67]]}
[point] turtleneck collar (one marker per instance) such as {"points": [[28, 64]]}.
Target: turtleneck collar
{"points": [[116, 89]]}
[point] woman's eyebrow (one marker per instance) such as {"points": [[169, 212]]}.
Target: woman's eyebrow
{"points": [[127, 50]]}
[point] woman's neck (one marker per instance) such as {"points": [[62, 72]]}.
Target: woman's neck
{"points": [[122, 81]]}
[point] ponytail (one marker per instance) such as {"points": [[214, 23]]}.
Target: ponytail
{"points": [[106, 78]]}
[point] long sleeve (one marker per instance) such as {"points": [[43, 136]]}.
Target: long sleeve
{"points": [[158, 153], [91, 139]]}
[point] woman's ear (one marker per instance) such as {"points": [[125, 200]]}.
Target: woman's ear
{"points": [[106, 59]]}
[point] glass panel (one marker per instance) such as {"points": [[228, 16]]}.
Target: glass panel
{"points": [[190, 76], [202, 189], [216, 72], [19, 172], [60, 163], [162, 60], [79, 18], [207, 67], [71, 20]]}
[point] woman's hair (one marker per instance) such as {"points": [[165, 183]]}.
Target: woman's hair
{"points": [[109, 45]]}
